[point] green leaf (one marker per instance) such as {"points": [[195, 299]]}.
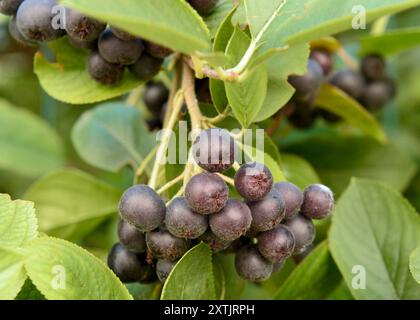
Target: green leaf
{"points": [[192, 277], [29, 292], [67, 198], [415, 264], [175, 25], [392, 42], [233, 284], [246, 97], [25, 136], [334, 100], [63, 271], [218, 15], [376, 229], [341, 292], [280, 66], [298, 171], [18, 224], [111, 136], [314, 278], [12, 273], [67, 79], [329, 155]]}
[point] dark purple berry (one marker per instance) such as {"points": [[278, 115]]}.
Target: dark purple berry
{"points": [[155, 97], [102, 71], [292, 196], [182, 222], [253, 181], [17, 36], [268, 212], [81, 27], [318, 202], [34, 20], [251, 265], [377, 94], [146, 67], [125, 264], [214, 150], [304, 115], [9, 7], [115, 50], [276, 245], [164, 245], [304, 231], [81, 44], [202, 89], [157, 51], [298, 258], [214, 242], [349, 81], [373, 67], [324, 59], [203, 7], [142, 207], [307, 85], [232, 222], [131, 238], [206, 193], [121, 34], [164, 268]]}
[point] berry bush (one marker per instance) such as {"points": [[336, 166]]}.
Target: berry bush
{"points": [[209, 149]]}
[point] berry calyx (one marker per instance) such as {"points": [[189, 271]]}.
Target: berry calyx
{"points": [[253, 181]]}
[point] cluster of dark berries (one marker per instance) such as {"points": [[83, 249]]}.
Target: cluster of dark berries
{"points": [[370, 86], [112, 49], [271, 223]]}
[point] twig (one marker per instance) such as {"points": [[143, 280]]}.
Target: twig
{"points": [[347, 58], [227, 179], [188, 86], [171, 183], [146, 161]]}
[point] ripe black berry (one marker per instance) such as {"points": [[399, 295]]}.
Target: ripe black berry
{"points": [[182, 222], [142, 207], [268, 212], [115, 50], [82, 28], [304, 115], [164, 245], [131, 238], [202, 90], [9, 7], [373, 67], [102, 71], [324, 59], [304, 231], [232, 222], [146, 67], [164, 268], [253, 181], [214, 150], [377, 94], [157, 51], [292, 196], [155, 97], [214, 242], [121, 34], [350, 82], [206, 193], [251, 265], [307, 85], [16, 35], [125, 264], [34, 20], [276, 245], [318, 202], [203, 7]]}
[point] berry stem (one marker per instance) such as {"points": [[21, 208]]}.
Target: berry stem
{"points": [[227, 179], [134, 97], [274, 125], [222, 116], [166, 137], [145, 162], [347, 58], [176, 84], [171, 183], [188, 86]]}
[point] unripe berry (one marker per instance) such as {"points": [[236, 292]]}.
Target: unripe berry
{"points": [[164, 245], [253, 181], [292, 196], [214, 150], [232, 222], [182, 222], [276, 245], [318, 202], [142, 207], [206, 193], [304, 231], [251, 265], [131, 238]]}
